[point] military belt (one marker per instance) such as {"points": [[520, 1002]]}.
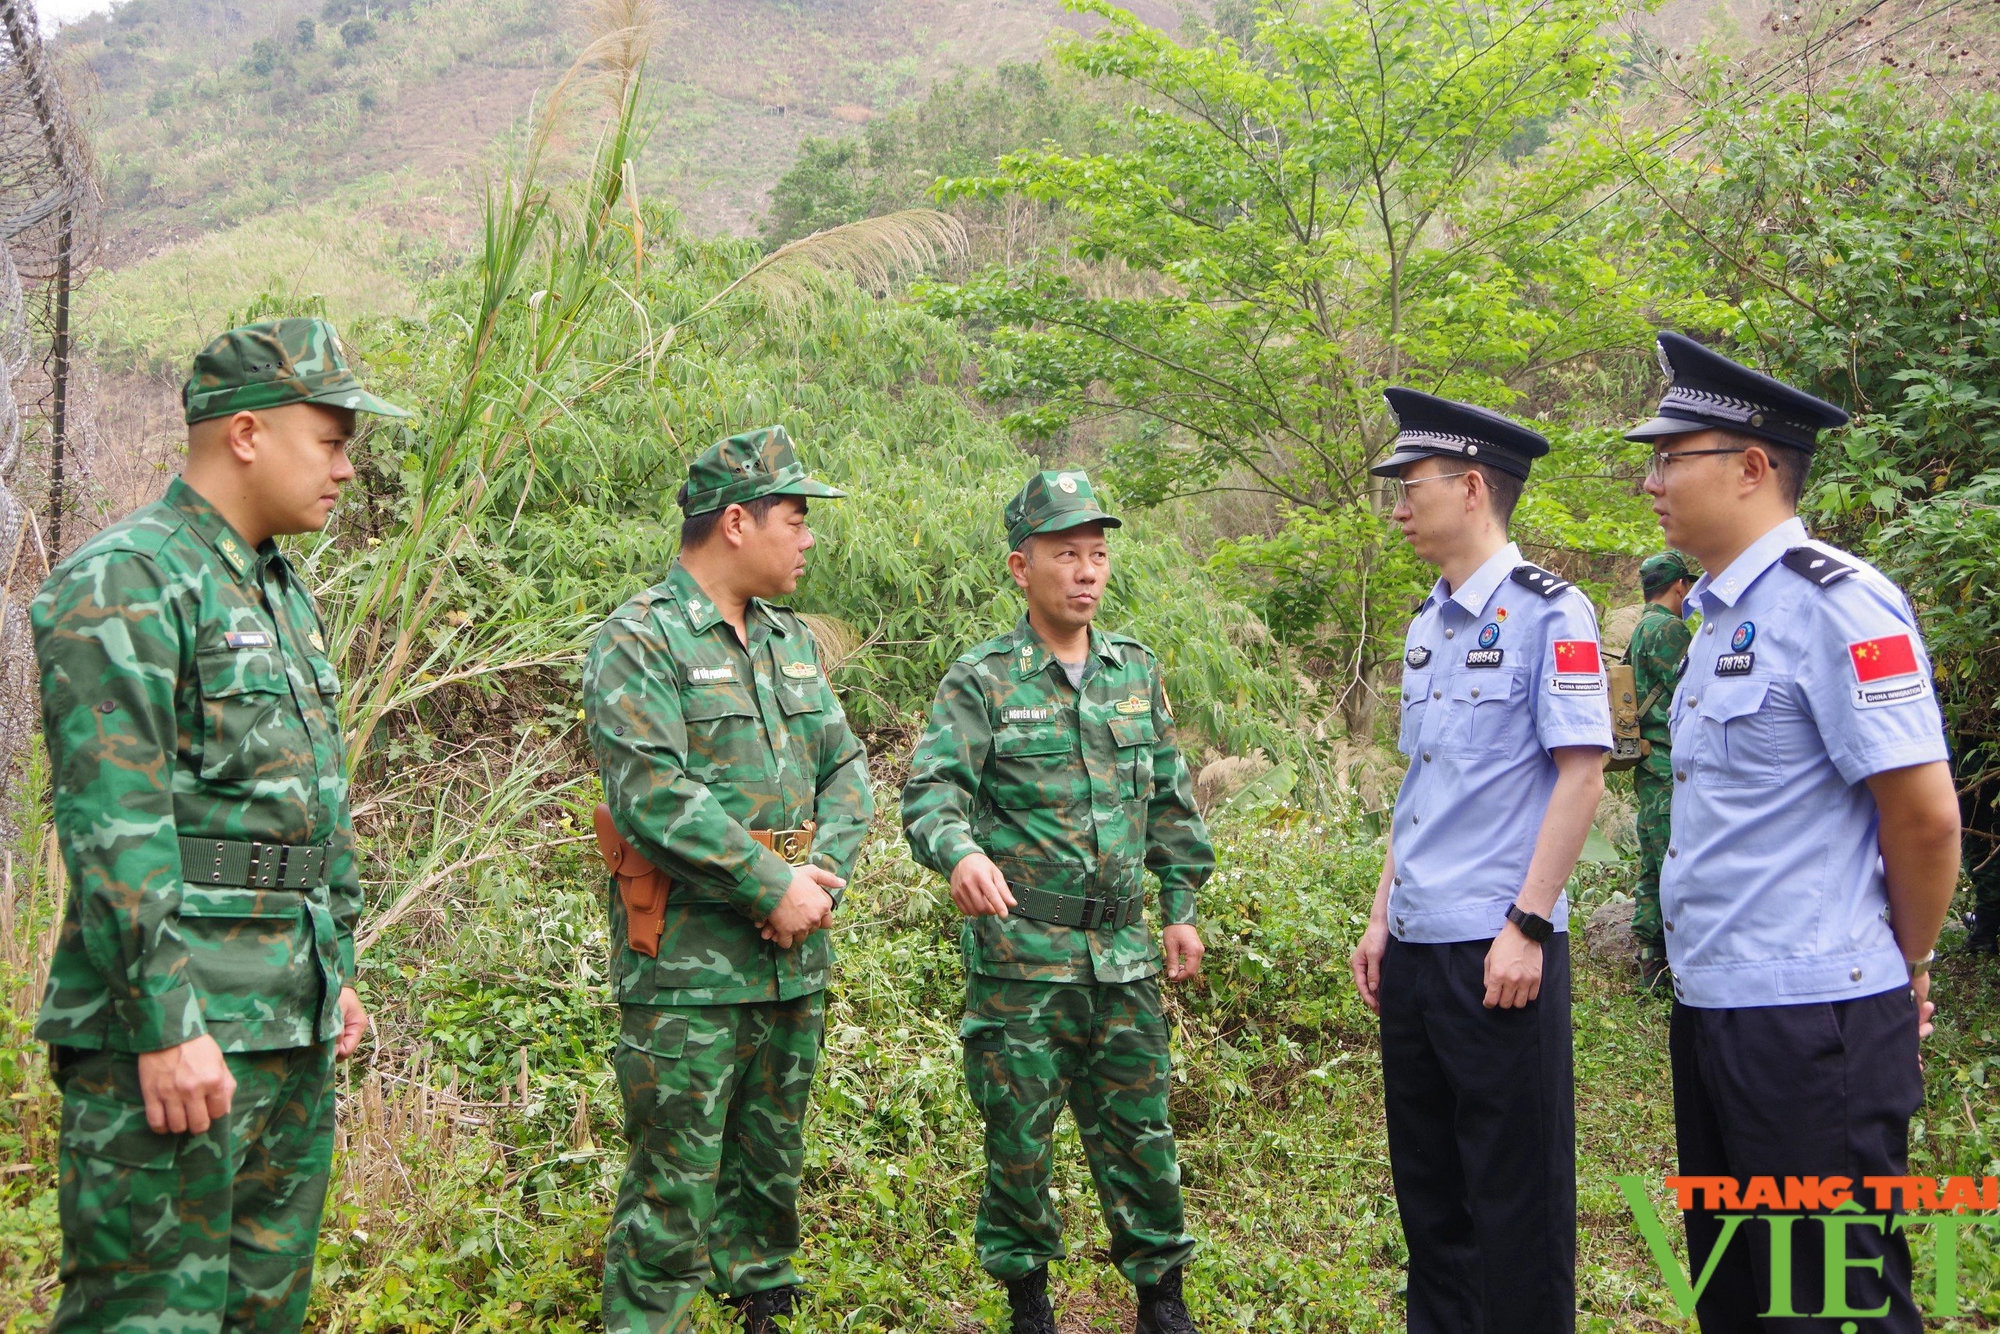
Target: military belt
{"points": [[214, 861], [1042, 905], [794, 845]]}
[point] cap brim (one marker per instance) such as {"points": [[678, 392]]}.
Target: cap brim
{"points": [[1661, 427], [809, 487], [1062, 523], [359, 400], [1404, 456]]}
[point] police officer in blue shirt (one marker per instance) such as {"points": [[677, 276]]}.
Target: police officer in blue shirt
{"points": [[1466, 955], [1814, 846]]}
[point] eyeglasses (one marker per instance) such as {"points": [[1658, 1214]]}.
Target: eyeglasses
{"points": [[1657, 468], [1399, 489]]}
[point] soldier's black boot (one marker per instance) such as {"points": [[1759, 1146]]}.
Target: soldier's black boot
{"points": [[1028, 1303], [759, 1311], [1984, 935], [1161, 1310]]}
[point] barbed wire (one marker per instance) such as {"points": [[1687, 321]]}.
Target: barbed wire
{"points": [[49, 213]]}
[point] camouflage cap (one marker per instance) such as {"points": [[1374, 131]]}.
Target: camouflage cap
{"points": [[1656, 572], [748, 467], [272, 364], [1052, 502]]}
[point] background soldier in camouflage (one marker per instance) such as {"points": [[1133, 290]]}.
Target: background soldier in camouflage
{"points": [[202, 985], [1046, 783], [1659, 643], [715, 728]]}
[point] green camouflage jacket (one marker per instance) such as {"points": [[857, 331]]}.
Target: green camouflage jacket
{"points": [[1074, 792], [186, 691], [698, 742], [1659, 642]]}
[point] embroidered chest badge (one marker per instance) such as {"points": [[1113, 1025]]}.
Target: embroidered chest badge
{"points": [[1134, 704], [1417, 657], [800, 671], [703, 676]]}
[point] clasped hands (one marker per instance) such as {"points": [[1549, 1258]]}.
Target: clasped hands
{"points": [[979, 890], [806, 907]]}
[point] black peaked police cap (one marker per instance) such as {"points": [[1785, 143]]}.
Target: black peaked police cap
{"points": [[1708, 391], [1429, 425]]}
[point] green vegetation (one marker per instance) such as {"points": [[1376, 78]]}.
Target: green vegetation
{"points": [[1198, 295]]}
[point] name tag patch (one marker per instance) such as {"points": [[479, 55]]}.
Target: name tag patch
{"points": [[246, 639], [800, 671], [1417, 657], [1484, 657], [1041, 715], [1735, 664], [707, 676], [1901, 692]]}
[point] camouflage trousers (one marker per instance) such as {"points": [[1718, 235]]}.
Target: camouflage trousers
{"points": [[715, 1107], [1102, 1048], [183, 1234], [1653, 790]]}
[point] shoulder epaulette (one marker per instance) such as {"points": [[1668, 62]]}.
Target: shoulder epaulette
{"points": [[1816, 565], [1540, 580], [1128, 642]]}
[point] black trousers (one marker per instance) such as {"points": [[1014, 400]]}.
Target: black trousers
{"points": [[1798, 1090], [1482, 1141]]}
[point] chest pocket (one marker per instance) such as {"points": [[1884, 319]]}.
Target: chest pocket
{"points": [[1135, 738], [1035, 766], [1735, 741], [1485, 714], [724, 740], [1416, 697], [250, 725]]}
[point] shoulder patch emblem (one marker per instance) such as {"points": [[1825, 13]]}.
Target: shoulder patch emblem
{"points": [[800, 671], [1539, 580], [1886, 671], [1817, 566]]}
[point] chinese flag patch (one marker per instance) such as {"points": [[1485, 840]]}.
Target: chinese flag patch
{"points": [[1879, 659], [1576, 657]]}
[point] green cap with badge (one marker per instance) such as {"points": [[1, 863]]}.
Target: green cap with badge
{"points": [[1052, 502], [1657, 572], [748, 467], [273, 364]]}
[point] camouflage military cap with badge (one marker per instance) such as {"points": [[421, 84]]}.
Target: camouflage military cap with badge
{"points": [[273, 364]]}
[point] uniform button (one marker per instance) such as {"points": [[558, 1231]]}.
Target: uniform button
{"points": [[1449, 633], [1427, 757], [1708, 629], [1673, 852], [1437, 694], [1399, 924], [1680, 775], [1416, 819], [1475, 692], [1670, 924], [1399, 880], [1854, 976], [1693, 700]]}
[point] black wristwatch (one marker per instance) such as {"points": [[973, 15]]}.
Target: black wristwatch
{"points": [[1537, 929]]}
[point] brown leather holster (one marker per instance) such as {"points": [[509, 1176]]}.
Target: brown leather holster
{"points": [[642, 887]]}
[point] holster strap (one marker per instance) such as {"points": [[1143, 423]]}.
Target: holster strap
{"points": [[1041, 905], [214, 861], [794, 845]]}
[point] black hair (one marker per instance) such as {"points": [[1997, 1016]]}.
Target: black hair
{"points": [[698, 528], [1503, 486]]}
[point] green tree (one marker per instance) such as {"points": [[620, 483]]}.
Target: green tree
{"points": [[1853, 233], [1346, 202]]}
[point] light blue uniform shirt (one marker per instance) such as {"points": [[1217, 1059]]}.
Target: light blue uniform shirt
{"points": [[1486, 697], [1795, 692]]}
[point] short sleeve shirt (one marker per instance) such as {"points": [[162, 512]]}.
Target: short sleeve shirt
{"points": [[1496, 674], [1796, 692]]}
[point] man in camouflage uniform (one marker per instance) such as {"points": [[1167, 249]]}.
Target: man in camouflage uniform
{"points": [[1659, 643], [1045, 785], [203, 982], [729, 766]]}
